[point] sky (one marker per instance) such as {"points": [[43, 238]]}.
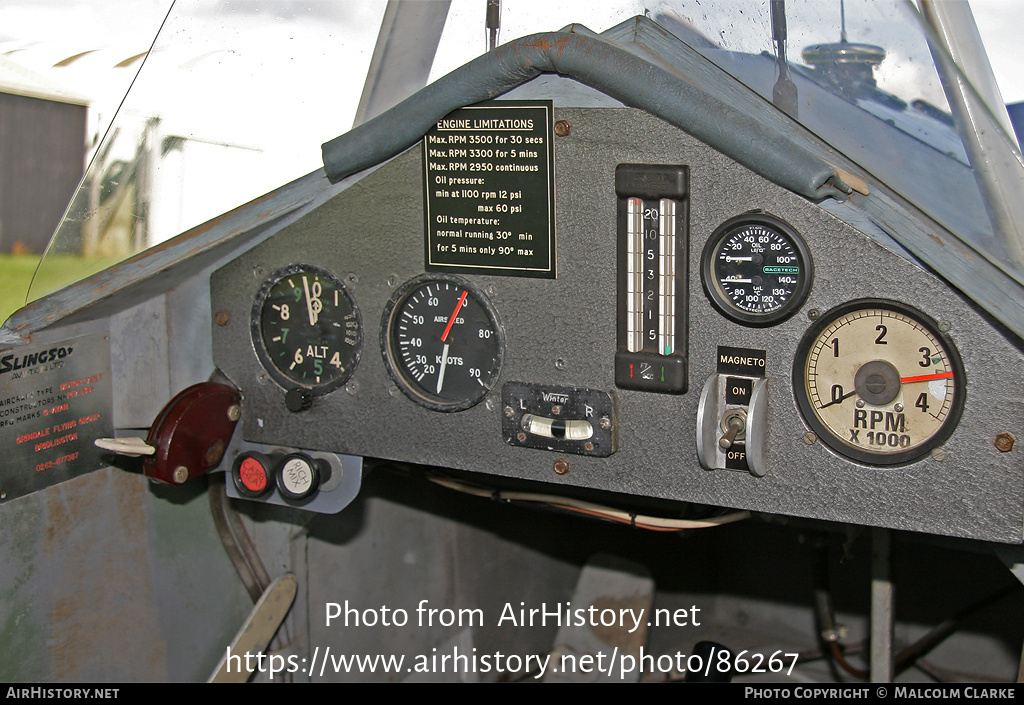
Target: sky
{"points": [[255, 86]]}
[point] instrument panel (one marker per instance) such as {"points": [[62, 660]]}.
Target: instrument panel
{"points": [[708, 338]]}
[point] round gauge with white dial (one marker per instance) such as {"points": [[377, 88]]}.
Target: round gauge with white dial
{"points": [[878, 382], [442, 342], [306, 329], [756, 269]]}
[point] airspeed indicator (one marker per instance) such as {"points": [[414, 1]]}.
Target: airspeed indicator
{"points": [[441, 342]]}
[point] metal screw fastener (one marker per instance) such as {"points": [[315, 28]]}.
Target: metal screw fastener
{"points": [[562, 128], [814, 314], [257, 271], [938, 454], [489, 403], [222, 318], [1004, 442], [561, 466], [556, 410], [234, 412], [509, 412], [810, 438], [860, 403], [520, 436], [352, 278], [945, 326], [588, 445], [605, 423], [491, 290], [392, 280], [180, 474], [560, 364], [352, 387], [897, 408]]}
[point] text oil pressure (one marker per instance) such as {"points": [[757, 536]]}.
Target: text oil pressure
{"points": [[756, 269], [878, 382]]}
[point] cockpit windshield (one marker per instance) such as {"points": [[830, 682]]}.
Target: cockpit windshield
{"points": [[234, 99]]}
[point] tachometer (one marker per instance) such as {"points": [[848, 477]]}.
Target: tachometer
{"points": [[756, 269], [441, 342], [878, 382], [306, 329]]}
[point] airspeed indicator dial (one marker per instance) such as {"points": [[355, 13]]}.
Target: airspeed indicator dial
{"points": [[878, 382], [441, 342], [756, 269]]}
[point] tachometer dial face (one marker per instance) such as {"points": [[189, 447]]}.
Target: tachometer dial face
{"points": [[306, 329], [878, 382], [441, 342], [756, 269]]}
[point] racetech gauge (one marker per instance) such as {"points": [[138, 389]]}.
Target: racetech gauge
{"points": [[441, 342], [306, 329], [756, 269], [879, 382]]}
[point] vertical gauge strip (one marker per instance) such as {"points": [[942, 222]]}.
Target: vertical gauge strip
{"points": [[635, 274], [653, 247], [667, 290]]}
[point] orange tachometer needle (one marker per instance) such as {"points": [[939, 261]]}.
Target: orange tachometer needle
{"points": [[927, 378]]}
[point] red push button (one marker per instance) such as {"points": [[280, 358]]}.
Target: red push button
{"points": [[251, 473]]}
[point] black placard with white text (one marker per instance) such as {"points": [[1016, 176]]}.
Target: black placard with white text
{"points": [[489, 190]]}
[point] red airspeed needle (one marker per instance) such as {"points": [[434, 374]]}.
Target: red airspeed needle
{"points": [[451, 320], [444, 339], [927, 378]]}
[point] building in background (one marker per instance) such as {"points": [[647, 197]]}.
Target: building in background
{"points": [[42, 155]]}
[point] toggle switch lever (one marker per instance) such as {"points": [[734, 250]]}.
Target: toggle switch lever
{"points": [[734, 423]]}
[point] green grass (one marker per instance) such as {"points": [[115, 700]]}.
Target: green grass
{"points": [[15, 275], [16, 272]]}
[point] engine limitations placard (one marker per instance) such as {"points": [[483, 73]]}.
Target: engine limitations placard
{"points": [[55, 400], [489, 187]]}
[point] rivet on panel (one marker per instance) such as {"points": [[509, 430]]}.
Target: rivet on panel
{"points": [[1003, 442]]}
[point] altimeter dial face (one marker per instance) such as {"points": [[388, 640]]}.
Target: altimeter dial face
{"points": [[306, 329], [878, 382]]}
